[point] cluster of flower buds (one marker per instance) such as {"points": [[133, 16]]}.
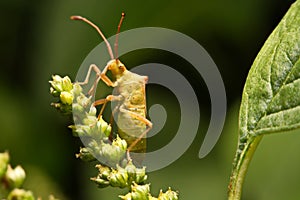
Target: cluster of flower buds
{"points": [[20, 194], [139, 192], [121, 176], [62, 88], [91, 126], [11, 180], [10, 177], [115, 170], [110, 154], [72, 100], [86, 123]]}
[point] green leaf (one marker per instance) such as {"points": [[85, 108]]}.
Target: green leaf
{"points": [[271, 96]]}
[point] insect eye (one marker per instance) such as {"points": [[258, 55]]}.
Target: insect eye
{"points": [[121, 67]]}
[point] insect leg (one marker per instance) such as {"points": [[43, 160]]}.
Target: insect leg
{"points": [[142, 119], [98, 72], [104, 102], [111, 121], [105, 78]]}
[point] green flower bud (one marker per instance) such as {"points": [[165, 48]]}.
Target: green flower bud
{"points": [[131, 170], [93, 111], [120, 143], [168, 195], [66, 98], [140, 191], [4, 160], [77, 89], [85, 155], [104, 171], [15, 177], [83, 130], [141, 176], [118, 178], [100, 182], [84, 101], [19, 194], [77, 108], [90, 120], [111, 154], [54, 92], [137, 175], [67, 85], [74, 130], [56, 83], [104, 127]]}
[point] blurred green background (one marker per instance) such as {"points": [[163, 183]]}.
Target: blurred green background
{"points": [[38, 40]]}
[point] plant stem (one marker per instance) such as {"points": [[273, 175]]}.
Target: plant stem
{"points": [[240, 166]]}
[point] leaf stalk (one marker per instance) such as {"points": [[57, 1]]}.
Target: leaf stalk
{"points": [[240, 166]]}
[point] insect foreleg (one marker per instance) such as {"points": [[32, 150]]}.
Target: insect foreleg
{"points": [[98, 72], [105, 78]]}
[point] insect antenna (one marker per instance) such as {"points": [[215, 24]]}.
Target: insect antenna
{"points": [[117, 35], [98, 30]]}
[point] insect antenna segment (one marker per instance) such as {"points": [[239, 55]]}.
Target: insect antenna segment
{"points": [[117, 35], [98, 30]]}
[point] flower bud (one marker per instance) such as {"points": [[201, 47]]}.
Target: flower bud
{"points": [[118, 178], [93, 111], [66, 98], [104, 171], [19, 194], [77, 109], [120, 143], [54, 92], [15, 177], [140, 191], [74, 130], [104, 127], [90, 120], [100, 182], [84, 101], [77, 89], [4, 160], [67, 85], [141, 176], [85, 155], [131, 170], [168, 195], [56, 83], [111, 154]]}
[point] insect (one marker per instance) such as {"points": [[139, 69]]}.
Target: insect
{"points": [[132, 122]]}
